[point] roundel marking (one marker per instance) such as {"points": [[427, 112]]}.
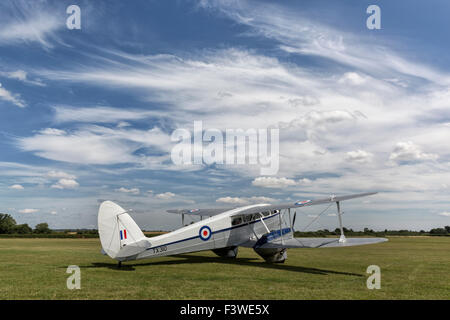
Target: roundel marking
{"points": [[302, 202], [205, 233]]}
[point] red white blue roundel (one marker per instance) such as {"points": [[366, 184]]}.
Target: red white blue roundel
{"points": [[302, 202], [205, 233]]}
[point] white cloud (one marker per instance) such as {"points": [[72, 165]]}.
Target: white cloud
{"points": [[79, 147], [13, 98], [408, 151], [17, 187], [300, 35], [322, 120], [18, 75], [352, 78], [52, 132], [261, 199], [444, 214], [273, 182], [66, 184], [359, 156], [304, 181], [28, 211], [313, 139], [97, 145], [232, 200], [29, 22], [123, 124], [21, 75], [132, 190], [60, 175], [245, 200], [165, 195], [102, 114]]}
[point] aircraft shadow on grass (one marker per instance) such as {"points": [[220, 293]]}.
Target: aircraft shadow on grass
{"points": [[202, 259]]}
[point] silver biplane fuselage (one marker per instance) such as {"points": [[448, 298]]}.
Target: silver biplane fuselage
{"points": [[261, 227], [222, 233]]}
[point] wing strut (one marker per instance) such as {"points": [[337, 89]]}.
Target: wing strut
{"points": [[281, 228], [342, 237], [262, 220], [290, 221]]}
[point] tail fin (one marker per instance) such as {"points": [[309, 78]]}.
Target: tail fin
{"points": [[120, 236]]}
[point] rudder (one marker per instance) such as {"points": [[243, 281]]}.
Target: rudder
{"points": [[120, 236]]}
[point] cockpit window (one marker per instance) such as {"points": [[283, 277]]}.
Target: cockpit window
{"points": [[251, 217]]}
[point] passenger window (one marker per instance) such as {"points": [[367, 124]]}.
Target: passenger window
{"points": [[236, 221]]}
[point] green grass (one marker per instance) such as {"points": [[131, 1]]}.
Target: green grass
{"points": [[411, 268]]}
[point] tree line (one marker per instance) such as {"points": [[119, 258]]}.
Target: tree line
{"points": [[445, 231], [9, 226]]}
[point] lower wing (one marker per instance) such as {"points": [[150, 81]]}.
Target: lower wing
{"points": [[284, 242]]}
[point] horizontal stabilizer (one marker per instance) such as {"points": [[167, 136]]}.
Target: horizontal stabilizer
{"points": [[133, 249]]}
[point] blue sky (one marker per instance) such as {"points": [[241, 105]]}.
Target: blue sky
{"points": [[87, 115]]}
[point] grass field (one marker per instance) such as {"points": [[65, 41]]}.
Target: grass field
{"points": [[411, 268]]}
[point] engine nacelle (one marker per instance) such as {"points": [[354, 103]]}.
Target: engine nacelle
{"points": [[228, 252], [272, 255]]}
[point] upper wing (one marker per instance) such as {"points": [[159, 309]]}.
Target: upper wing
{"points": [[304, 203], [256, 209], [200, 212]]}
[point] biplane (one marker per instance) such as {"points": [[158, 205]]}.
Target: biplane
{"points": [[267, 228]]}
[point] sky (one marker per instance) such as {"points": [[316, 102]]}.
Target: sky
{"points": [[87, 114]]}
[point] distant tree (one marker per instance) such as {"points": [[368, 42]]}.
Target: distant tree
{"points": [[42, 228], [7, 223], [22, 229], [447, 228], [438, 231]]}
